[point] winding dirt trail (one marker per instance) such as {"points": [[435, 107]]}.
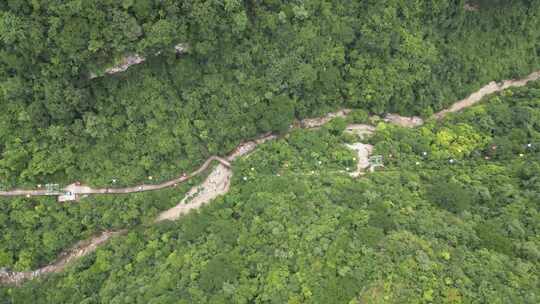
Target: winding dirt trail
{"points": [[218, 181], [134, 59], [79, 250], [397, 119], [85, 190], [490, 88]]}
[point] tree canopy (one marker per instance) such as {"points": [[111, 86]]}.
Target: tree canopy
{"points": [[453, 217], [296, 228], [251, 67]]}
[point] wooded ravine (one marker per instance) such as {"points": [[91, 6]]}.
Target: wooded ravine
{"points": [[218, 112]]}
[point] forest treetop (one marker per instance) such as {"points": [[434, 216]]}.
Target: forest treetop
{"points": [[253, 67]]}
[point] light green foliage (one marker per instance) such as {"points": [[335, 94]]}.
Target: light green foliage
{"points": [[458, 140]]}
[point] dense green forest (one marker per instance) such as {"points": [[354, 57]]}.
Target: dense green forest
{"points": [[252, 66], [453, 217], [296, 228]]}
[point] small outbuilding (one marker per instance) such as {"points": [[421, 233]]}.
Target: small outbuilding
{"points": [[67, 197]]}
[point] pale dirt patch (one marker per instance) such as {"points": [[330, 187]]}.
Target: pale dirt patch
{"points": [[125, 64], [241, 150], [181, 48], [470, 7], [404, 121], [78, 189], [134, 59], [363, 152], [488, 89], [216, 184], [360, 130], [248, 146], [309, 123]]}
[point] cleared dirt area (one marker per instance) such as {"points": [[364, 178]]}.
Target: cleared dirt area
{"points": [[403, 121], [360, 130], [363, 152], [310, 123], [134, 59], [125, 64], [470, 7], [216, 184], [248, 146]]}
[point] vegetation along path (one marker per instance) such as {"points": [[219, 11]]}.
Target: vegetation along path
{"points": [[414, 121], [218, 181]]}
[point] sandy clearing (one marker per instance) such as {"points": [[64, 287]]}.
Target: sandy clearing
{"points": [[216, 184], [310, 123], [363, 152], [404, 121]]}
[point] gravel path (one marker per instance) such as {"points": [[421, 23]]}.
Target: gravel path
{"points": [[79, 250], [85, 190], [490, 88]]}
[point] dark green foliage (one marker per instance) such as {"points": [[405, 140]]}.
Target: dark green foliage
{"points": [[219, 270], [250, 67], [451, 196], [494, 238]]}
